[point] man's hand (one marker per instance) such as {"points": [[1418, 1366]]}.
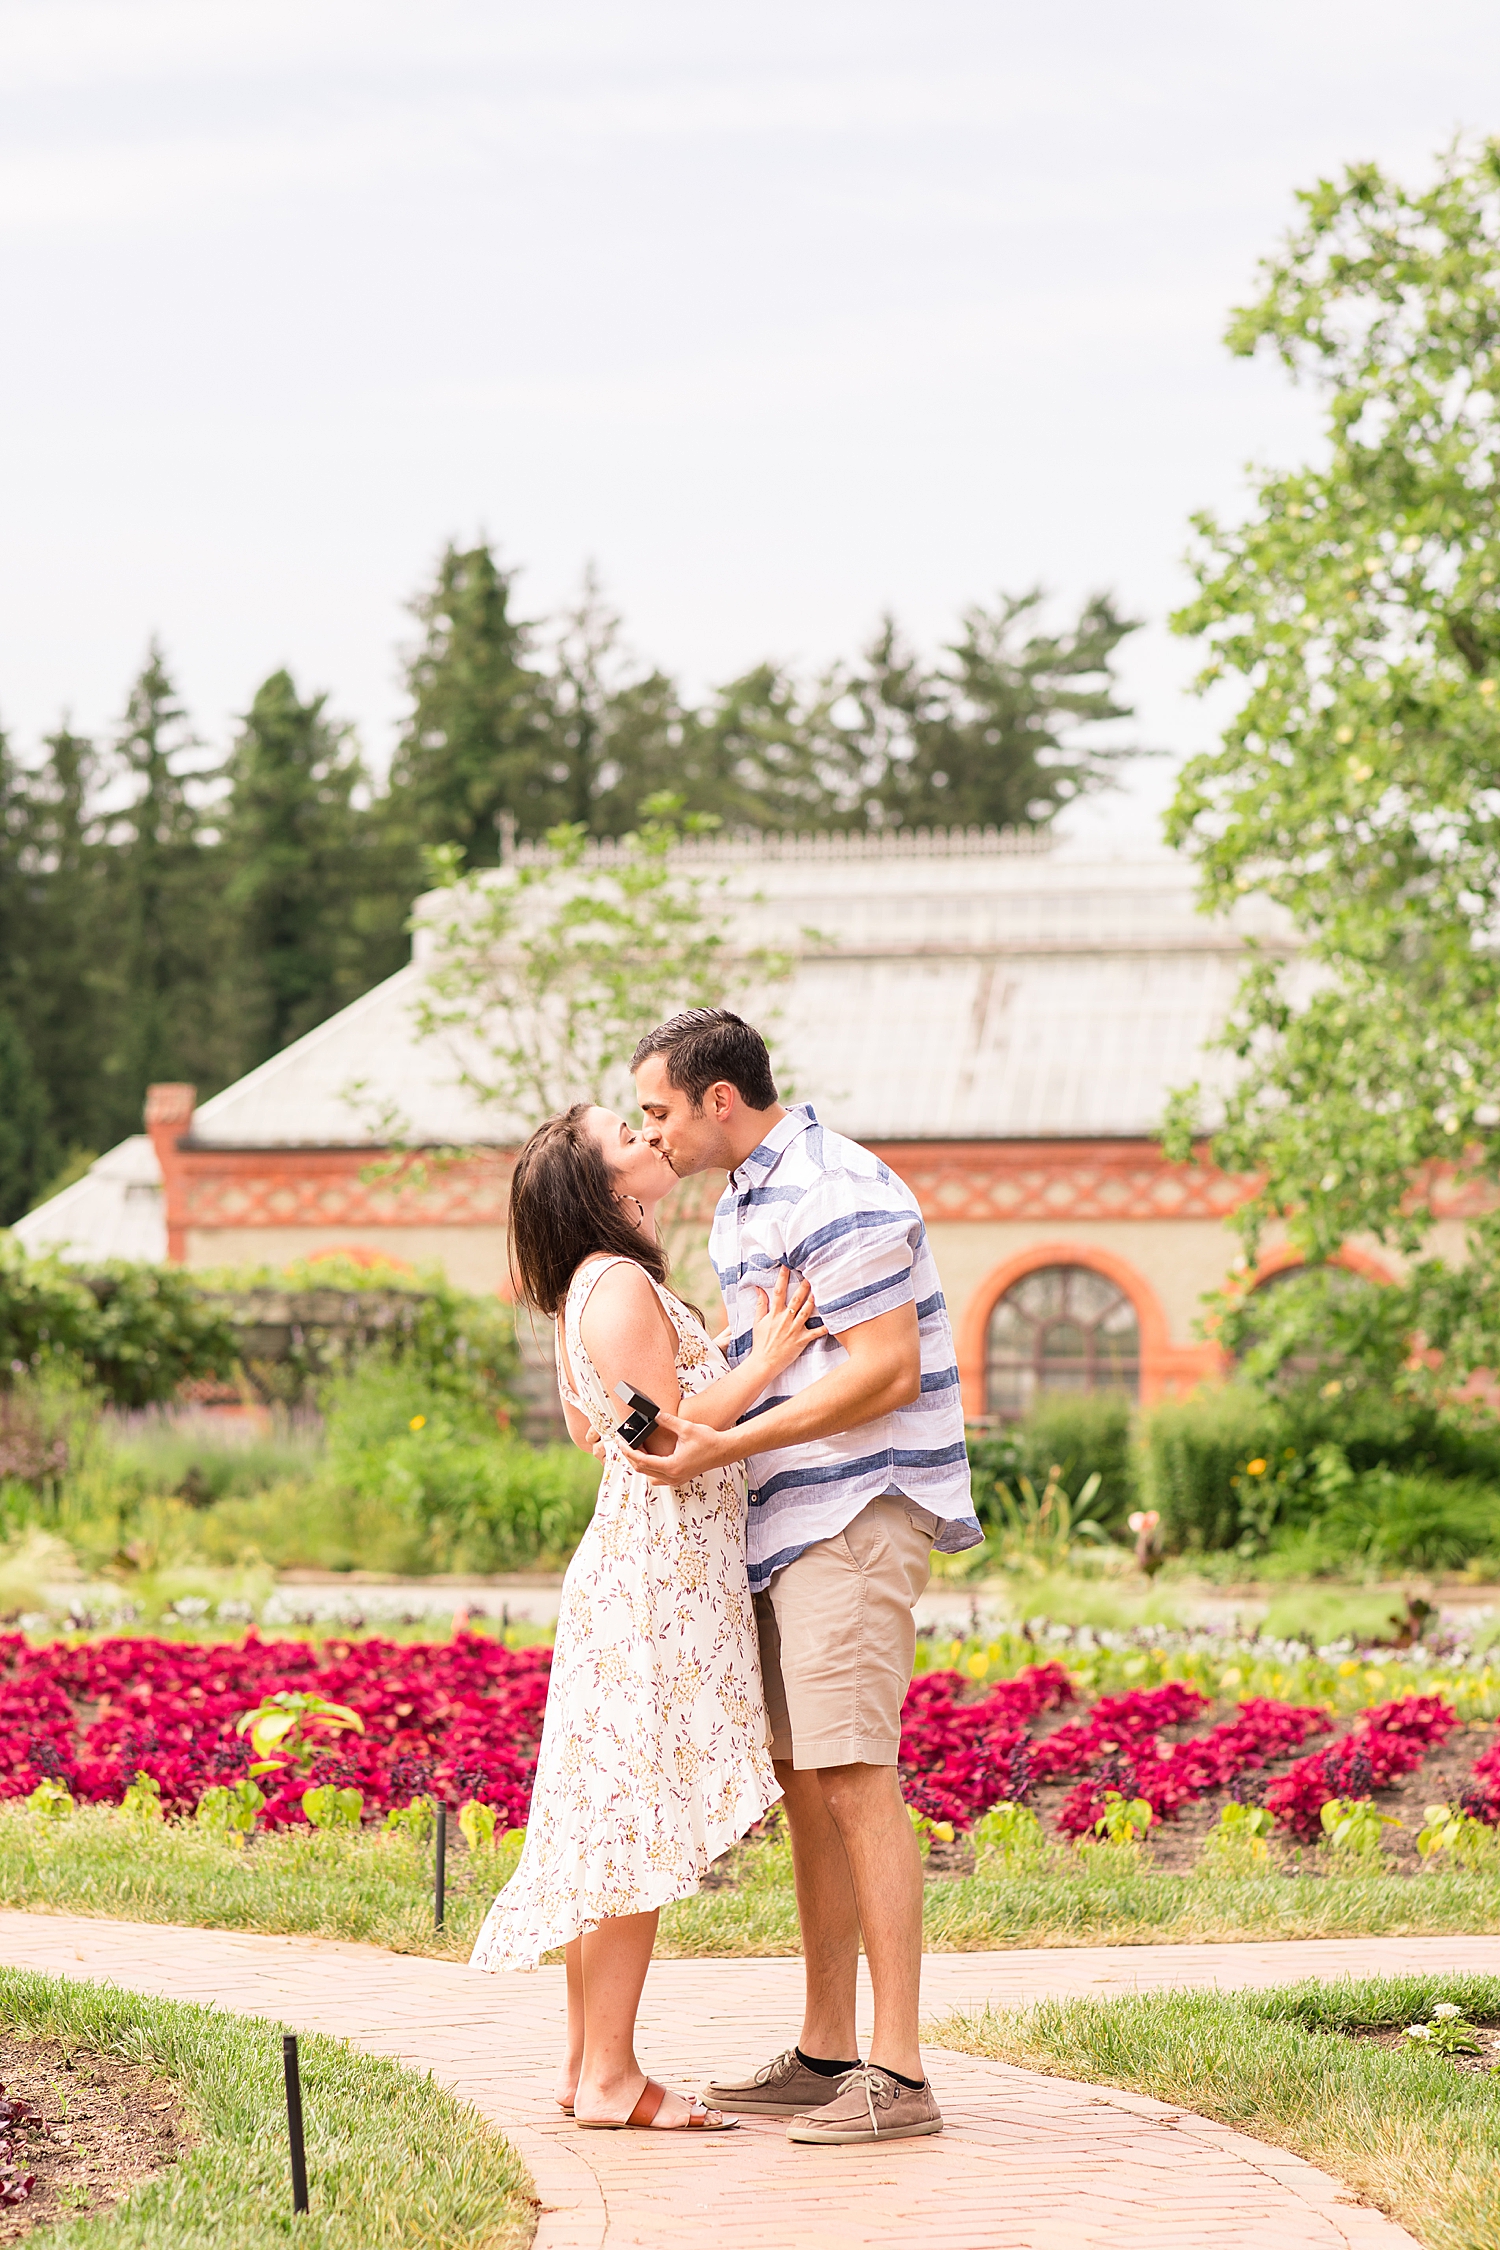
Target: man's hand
{"points": [[879, 1370], [696, 1449]]}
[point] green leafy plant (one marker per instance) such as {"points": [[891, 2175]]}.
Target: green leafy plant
{"points": [[1124, 1820], [142, 1800], [52, 1799], [230, 1811], [1039, 1530], [1448, 2032], [285, 1721], [1355, 1825], [330, 1807], [928, 1832], [477, 1824], [1241, 1832], [1008, 1832], [416, 1820], [1449, 1829]]}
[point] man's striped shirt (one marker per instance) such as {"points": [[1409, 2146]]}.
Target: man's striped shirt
{"points": [[822, 1205]]}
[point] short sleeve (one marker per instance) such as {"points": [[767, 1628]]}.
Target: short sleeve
{"points": [[856, 1241]]}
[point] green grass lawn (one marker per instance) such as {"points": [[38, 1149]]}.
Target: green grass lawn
{"points": [[377, 1888], [391, 2159], [1404, 2127]]}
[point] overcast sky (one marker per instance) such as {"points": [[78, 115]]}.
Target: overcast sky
{"points": [[784, 316]]}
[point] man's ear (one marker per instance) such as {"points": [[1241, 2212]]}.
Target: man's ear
{"points": [[720, 1100]]}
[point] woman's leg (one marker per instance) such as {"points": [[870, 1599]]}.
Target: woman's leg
{"points": [[614, 1959], [567, 2077]]}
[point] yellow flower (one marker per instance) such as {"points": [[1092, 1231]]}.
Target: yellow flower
{"points": [[1348, 1668], [977, 1666], [417, 1422], [1231, 1678], [1255, 1468]]}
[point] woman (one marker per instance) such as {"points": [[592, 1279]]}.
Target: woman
{"points": [[654, 1755]]}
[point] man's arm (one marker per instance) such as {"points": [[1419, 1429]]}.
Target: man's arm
{"points": [[883, 1370]]}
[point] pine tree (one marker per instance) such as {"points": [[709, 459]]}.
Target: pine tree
{"points": [[475, 744], [988, 738], [166, 912], [292, 849], [67, 1017], [28, 1148]]}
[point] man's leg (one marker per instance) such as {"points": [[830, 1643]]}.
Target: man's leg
{"points": [[884, 1864], [828, 1914]]}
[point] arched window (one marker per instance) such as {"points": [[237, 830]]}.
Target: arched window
{"points": [[1062, 1328]]}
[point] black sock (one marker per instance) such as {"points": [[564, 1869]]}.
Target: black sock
{"points": [[915, 2085], [823, 2067]]}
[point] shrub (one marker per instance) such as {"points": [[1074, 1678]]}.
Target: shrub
{"points": [[319, 1319], [474, 1494], [1081, 1434], [1194, 1450], [1393, 1521], [136, 1331], [1386, 1482]]}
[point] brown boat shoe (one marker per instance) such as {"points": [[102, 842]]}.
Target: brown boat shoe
{"points": [[783, 2087], [870, 2105]]}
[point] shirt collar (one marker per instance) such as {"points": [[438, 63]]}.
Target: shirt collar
{"points": [[798, 1119]]}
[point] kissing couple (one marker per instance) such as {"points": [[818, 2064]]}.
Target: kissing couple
{"points": [[718, 1649]]}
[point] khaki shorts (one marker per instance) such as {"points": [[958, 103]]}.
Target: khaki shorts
{"points": [[838, 1631]]}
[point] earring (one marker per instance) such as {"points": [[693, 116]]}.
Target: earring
{"points": [[639, 1205]]}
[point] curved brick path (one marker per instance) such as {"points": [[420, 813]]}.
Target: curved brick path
{"points": [[1027, 2163]]}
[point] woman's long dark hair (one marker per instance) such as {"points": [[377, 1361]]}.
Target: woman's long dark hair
{"points": [[563, 1210]]}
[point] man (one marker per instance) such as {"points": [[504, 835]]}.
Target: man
{"points": [[857, 1468]]}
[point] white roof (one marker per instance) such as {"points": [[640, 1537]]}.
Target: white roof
{"points": [[115, 1211], [944, 988], [951, 987]]}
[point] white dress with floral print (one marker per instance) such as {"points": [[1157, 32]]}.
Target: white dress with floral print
{"points": [[654, 1755]]}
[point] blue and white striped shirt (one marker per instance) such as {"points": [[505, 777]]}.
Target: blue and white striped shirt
{"points": [[821, 1204]]}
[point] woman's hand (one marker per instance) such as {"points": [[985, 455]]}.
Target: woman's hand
{"points": [[782, 1332]]}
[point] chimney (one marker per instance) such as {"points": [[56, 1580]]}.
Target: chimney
{"points": [[169, 1117]]}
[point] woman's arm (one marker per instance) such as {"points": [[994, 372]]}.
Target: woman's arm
{"points": [[778, 1337], [630, 1340]]}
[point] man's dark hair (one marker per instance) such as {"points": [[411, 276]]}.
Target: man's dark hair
{"points": [[706, 1046]]}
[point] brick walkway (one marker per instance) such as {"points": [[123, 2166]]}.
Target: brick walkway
{"points": [[1027, 2163]]}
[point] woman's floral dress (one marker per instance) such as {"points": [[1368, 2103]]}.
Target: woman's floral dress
{"points": [[654, 1755]]}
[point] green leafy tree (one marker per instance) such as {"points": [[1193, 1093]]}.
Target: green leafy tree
{"points": [[474, 745], [544, 975], [990, 736], [1356, 611], [293, 847]]}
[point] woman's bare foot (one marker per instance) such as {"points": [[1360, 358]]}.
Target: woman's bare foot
{"points": [[613, 2105]]}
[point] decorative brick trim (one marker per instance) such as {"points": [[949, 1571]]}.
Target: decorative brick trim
{"points": [[1067, 1180]]}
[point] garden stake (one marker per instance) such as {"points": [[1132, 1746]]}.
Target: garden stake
{"points": [[294, 2119], [440, 1868]]}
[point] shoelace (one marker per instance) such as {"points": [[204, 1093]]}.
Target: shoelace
{"points": [[779, 2067], [871, 2082]]}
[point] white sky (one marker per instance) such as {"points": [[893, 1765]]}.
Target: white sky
{"points": [[783, 315]]}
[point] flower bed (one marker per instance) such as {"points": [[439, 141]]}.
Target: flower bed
{"points": [[1391, 1740], [957, 1758], [461, 1719]]}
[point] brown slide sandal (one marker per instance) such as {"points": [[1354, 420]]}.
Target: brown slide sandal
{"points": [[641, 2117]]}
